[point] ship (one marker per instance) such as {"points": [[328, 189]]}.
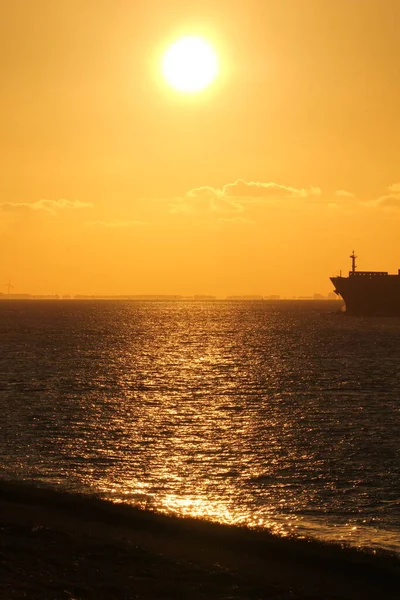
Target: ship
{"points": [[369, 293]]}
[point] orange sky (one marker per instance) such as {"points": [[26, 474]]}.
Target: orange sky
{"points": [[114, 183]]}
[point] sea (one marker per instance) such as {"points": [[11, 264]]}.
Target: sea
{"points": [[283, 415]]}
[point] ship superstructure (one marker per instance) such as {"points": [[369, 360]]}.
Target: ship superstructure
{"points": [[369, 292]]}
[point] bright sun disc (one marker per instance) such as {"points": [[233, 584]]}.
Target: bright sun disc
{"points": [[190, 64]]}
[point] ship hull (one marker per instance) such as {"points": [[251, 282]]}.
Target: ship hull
{"points": [[368, 296]]}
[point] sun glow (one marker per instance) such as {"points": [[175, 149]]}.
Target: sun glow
{"points": [[190, 64]]}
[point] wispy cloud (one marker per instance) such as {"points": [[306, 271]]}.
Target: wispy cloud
{"points": [[258, 189], [344, 194], [389, 201], [233, 197], [204, 202], [50, 206]]}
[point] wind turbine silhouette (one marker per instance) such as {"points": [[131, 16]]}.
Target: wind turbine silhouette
{"points": [[9, 286]]}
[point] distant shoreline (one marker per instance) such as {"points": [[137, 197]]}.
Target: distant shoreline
{"points": [[171, 298], [60, 545]]}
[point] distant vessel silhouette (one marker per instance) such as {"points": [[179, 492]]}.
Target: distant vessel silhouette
{"points": [[369, 292]]}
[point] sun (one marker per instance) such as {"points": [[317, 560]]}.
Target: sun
{"points": [[190, 64]]}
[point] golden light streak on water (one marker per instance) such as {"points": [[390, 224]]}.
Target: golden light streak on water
{"points": [[238, 413]]}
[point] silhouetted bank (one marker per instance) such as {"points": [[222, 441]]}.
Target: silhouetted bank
{"points": [[369, 293], [57, 545]]}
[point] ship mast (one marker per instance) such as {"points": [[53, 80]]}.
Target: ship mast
{"points": [[353, 262]]}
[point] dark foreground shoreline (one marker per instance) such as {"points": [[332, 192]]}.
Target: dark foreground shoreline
{"points": [[58, 546]]}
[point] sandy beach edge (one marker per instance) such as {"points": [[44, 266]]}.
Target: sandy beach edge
{"points": [[61, 545]]}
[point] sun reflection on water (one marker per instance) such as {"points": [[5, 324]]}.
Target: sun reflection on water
{"points": [[230, 412]]}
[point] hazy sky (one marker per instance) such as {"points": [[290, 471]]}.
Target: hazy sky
{"points": [[112, 182]]}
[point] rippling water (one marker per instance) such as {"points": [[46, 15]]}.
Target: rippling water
{"points": [[282, 415]]}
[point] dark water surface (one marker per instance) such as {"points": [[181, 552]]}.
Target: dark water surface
{"points": [[284, 415]]}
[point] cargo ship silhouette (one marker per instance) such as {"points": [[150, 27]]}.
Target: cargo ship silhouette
{"points": [[369, 292]]}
